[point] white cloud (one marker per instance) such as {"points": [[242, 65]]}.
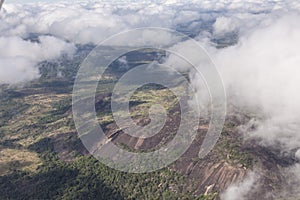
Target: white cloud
{"points": [[89, 21], [240, 191], [18, 57], [297, 154], [17, 70], [262, 71], [225, 25]]}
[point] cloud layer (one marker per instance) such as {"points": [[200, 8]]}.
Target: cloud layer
{"points": [[87, 21]]}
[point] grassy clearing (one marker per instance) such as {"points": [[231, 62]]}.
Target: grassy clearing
{"points": [[14, 159]]}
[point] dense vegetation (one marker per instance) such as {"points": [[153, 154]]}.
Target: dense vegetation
{"points": [[86, 178]]}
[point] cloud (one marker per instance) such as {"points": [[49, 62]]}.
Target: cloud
{"points": [[240, 191], [261, 73], [91, 22], [224, 25], [18, 58]]}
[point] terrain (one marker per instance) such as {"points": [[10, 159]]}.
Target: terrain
{"points": [[43, 158]]}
